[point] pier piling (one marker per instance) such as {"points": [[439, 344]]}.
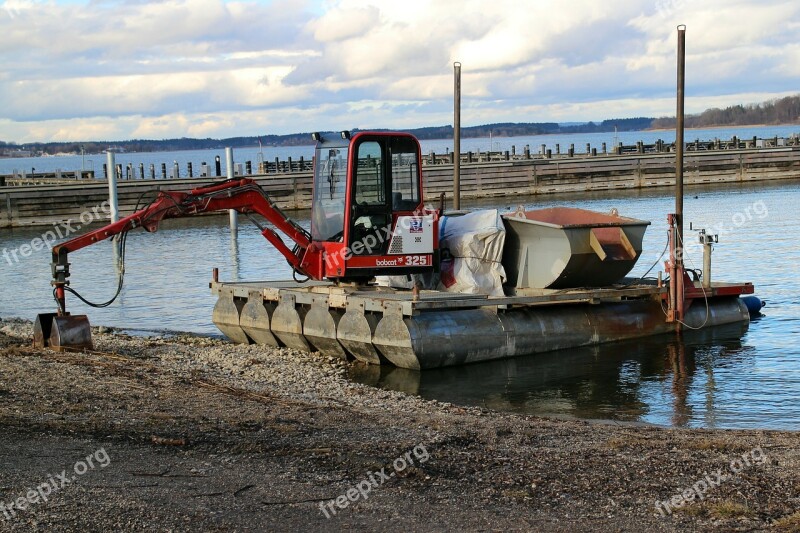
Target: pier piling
{"points": [[112, 187], [234, 215]]}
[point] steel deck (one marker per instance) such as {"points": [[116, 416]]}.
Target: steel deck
{"points": [[376, 298]]}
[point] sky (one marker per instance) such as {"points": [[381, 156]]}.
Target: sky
{"points": [[115, 70]]}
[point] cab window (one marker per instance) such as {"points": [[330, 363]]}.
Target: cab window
{"points": [[330, 185], [405, 175]]}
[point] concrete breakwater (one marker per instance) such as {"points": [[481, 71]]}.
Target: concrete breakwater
{"points": [[482, 176]]}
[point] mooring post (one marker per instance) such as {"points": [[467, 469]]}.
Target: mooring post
{"points": [[217, 166], [176, 171], [234, 215], [679, 146], [112, 186], [457, 136], [141, 170]]}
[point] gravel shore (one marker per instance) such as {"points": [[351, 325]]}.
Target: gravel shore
{"points": [[192, 433]]}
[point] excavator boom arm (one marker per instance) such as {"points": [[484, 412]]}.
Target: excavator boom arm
{"points": [[243, 195]]}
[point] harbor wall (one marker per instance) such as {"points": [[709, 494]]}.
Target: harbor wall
{"points": [[481, 177]]}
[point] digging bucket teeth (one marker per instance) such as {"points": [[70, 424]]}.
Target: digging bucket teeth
{"points": [[69, 332]]}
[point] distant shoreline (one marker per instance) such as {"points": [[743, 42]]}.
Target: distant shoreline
{"points": [[722, 127], [433, 139]]}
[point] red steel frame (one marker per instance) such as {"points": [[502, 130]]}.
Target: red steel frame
{"points": [[243, 195]]}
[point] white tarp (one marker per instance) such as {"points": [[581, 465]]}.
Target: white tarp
{"points": [[471, 248]]}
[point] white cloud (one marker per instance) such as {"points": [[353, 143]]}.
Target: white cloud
{"points": [[118, 69]]}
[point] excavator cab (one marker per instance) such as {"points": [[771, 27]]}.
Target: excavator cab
{"points": [[368, 213]]}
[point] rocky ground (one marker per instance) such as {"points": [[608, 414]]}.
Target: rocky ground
{"points": [[192, 433]]}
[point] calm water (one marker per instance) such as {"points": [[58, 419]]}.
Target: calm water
{"points": [[269, 153], [725, 379]]}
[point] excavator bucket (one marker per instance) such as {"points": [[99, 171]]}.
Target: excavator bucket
{"points": [[69, 332]]}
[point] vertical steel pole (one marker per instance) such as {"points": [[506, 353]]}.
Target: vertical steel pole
{"points": [[679, 131], [234, 215], [680, 290], [457, 137], [112, 186]]}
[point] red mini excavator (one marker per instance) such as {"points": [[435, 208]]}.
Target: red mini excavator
{"points": [[367, 218]]}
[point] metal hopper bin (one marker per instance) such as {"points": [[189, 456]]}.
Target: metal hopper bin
{"points": [[566, 247]]}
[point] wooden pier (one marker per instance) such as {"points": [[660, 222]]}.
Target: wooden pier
{"points": [[497, 174]]}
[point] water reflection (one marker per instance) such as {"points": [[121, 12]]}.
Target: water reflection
{"points": [[618, 381]]}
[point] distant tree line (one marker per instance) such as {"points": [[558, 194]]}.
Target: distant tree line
{"points": [[503, 129], [518, 129], [778, 111]]}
